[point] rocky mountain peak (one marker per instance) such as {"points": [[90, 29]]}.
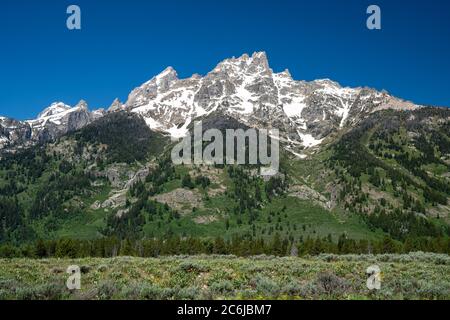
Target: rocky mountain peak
{"points": [[257, 63], [116, 106], [286, 74], [164, 79], [54, 109], [149, 90], [82, 105]]}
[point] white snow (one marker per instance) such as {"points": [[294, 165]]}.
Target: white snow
{"points": [[98, 112], [308, 140], [299, 155], [295, 108], [54, 114], [245, 97], [344, 112], [54, 109], [152, 123], [176, 132]]}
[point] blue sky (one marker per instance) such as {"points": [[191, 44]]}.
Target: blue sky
{"points": [[124, 43]]}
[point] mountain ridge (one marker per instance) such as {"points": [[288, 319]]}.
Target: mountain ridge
{"points": [[245, 88]]}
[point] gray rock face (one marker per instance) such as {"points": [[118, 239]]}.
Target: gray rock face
{"points": [[13, 132], [79, 118], [58, 120]]}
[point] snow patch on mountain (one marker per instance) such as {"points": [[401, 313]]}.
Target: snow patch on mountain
{"points": [[308, 140]]}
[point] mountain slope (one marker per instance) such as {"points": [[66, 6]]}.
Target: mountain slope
{"points": [[90, 184]]}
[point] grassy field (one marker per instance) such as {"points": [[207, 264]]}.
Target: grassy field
{"points": [[413, 276]]}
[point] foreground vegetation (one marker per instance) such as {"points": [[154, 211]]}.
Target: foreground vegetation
{"points": [[327, 276]]}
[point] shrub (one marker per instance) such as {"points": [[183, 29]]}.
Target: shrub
{"points": [[194, 267], [433, 291], [266, 286], [50, 291], [189, 293], [331, 284], [102, 268], [223, 287], [152, 292], [292, 289], [107, 290]]}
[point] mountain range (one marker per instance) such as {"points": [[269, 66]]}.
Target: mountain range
{"points": [[244, 88], [355, 161]]}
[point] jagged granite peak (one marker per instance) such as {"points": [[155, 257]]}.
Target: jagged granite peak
{"points": [[116, 106], [82, 105], [79, 118], [257, 63], [55, 124], [149, 90]]}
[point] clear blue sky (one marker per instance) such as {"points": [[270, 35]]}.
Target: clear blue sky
{"points": [[124, 43]]}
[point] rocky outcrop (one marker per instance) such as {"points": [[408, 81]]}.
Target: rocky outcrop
{"points": [[306, 193], [116, 106], [13, 132]]}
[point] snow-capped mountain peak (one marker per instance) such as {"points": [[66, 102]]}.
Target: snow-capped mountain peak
{"points": [[54, 109], [56, 112]]}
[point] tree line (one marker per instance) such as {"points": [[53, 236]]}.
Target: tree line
{"points": [[237, 245]]}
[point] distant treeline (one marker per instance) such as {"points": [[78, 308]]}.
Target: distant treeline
{"points": [[239, 246]]}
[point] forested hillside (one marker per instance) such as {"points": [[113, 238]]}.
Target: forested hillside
{"points": [[111, 188]]}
